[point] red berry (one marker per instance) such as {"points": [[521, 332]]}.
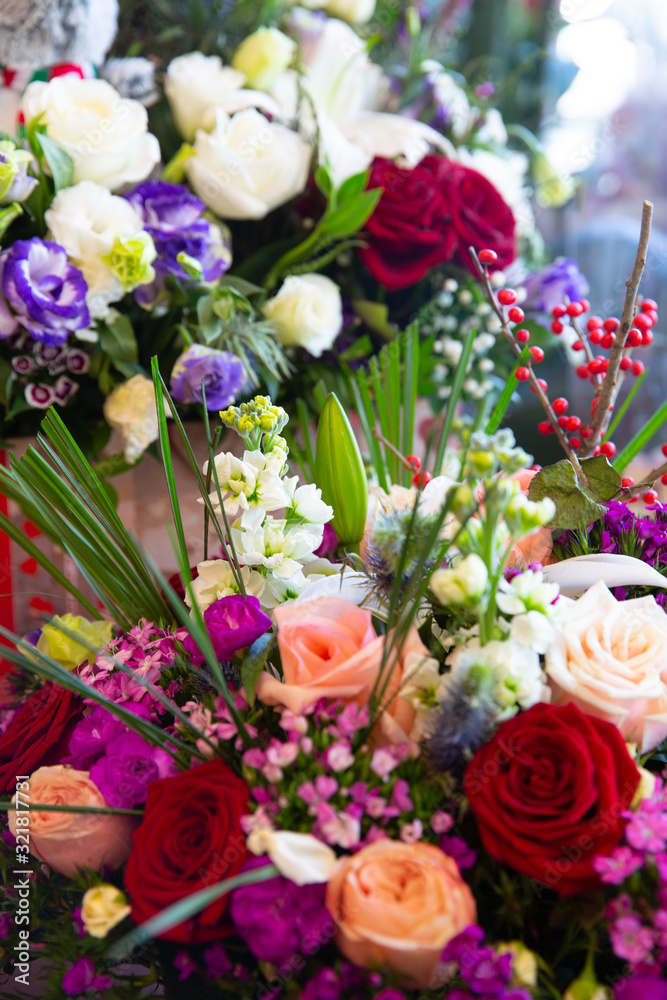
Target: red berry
{"points": [[596, 335], [650, 305], [627, 482], [487, 256], [595, 366], [523, 374], [586, 431], [634, 338], [637, 367], [574, 443], [507, 296], [542, 384], [664, 450], [535, 468], [562, 421], [650, 497], [647, 337], [557, 327], [578, 345], [593, 323], [605, 364], [663, 479], [558, 311], [537, 354], [573, 423], [626, 364], [414, 462], [574, 309], [560, 405], [607, 341], [608, 448], [583, 372], [596, 452], [523, 336], [632, 500], [612, 324], [585, 305], [516, 314], [643, 321], [544, 427], [422, 479]]}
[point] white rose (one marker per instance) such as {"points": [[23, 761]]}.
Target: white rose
{"points": [[194, 83], [131, 409], [354, 11], [105, 134], [85, 219], [263, 56], [609, 658], [247, 166], [307, 312]]}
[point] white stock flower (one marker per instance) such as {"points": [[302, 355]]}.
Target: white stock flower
{"points": [[253, 484], [277, 547], [512, 673], [106, 135], [306, 312], [354, 11], [247, 166], [216, 580], [305, 503], [194, 83], [532, 629], [86, 219], [463, 584], [131, 409], [528, 591], [263, 56]]}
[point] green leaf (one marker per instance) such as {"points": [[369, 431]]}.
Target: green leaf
{"points": [[7, 216], [604, 482], [117, 339], [376, 316], [60, 163], [340, 473], [209, 323], [353, 186], [351, 216], [574, 508], [642, 438], [507, 393], [324, 181], [254, 662], [620, 413], [238, 284]]}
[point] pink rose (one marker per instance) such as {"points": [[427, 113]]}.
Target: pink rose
{"points": [[67, 841], [329, 649], [537, 546], [398, 905], [609, 659]]}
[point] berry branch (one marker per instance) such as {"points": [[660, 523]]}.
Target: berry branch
{"points": [[612, 381]]}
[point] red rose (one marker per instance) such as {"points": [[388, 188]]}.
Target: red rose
{"points": [[430, 214], [190, 838], [548, 792], [410, 230], [39, 733], [480, 216]]}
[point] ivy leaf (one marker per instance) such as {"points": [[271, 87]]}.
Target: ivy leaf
{"points": [[604, 481], [254, 662], [575, 508]]}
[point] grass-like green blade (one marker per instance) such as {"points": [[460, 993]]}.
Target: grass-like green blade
{"points": [[165, 451], [457, 386], [507, 393], [618, 416], [641, 439], [303, 417], [43, 807], [410, 382], [364, 409], [184, 909]]}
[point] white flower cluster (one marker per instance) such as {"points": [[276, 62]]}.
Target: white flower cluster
{"points": [[529, 601], [276, 553]]}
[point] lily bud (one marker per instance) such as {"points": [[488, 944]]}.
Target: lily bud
{"points": [[340, 473]]}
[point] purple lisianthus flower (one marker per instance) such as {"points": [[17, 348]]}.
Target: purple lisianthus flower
{"points": [[233, 623], [464, 943], [44, 293], [641, 988], [91, 736], [81, 977], [278, 918], [324, 986], [457, 848], [127, 768], [551, 285], [224, 376], [173, 216]]}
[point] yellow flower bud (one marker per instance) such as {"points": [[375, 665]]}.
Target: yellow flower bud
{"points": [[67, 651], [102, 907], [263, 56]]}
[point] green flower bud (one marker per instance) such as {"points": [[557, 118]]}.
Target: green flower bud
{"points": [[462, 501], [131, 259], [340, 473]]}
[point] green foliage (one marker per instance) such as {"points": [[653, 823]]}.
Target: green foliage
{"points": [[254, 662], [576, 505], [642, 438], [340, 473]]}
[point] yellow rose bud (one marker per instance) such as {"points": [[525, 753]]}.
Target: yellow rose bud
{"points": [[102, 908], [524, 962], [263, 56], [67, 651], [131, 258]]}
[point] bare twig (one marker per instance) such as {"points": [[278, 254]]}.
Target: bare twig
{"points": [[537, 388], [611, 383]]}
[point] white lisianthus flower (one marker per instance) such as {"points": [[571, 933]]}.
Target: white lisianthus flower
{"points": [[194, 83], [510, 672], [354, 11], [250, 485], [247, 166], [306, 312], [86, 219], [306, 505], [216, 580], [263, 56], [462, 584], [106, 135], [131, 409]]}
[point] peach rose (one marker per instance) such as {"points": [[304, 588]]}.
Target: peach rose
{"points": [[537, 546], [68, 841], [398, 905], [329, 649], [610, 659]]}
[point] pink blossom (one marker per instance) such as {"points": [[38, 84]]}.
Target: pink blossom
{"points": [[383, 762], [282, 754], [254, 757], [352, 718], [326, 786], [630, 940], [339, 757], [618, 907], [375, 833], [272, 773], [620, 864], [441, 822], [260, 818], [412, 832], [337, 828], [647, 830], [661, 864], [375, 806], [307, 793], [306, 745], [293, 723], [400, 797], [357, 791]]}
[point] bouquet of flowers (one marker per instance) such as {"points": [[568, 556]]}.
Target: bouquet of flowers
{"points": [[312, 200]]}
